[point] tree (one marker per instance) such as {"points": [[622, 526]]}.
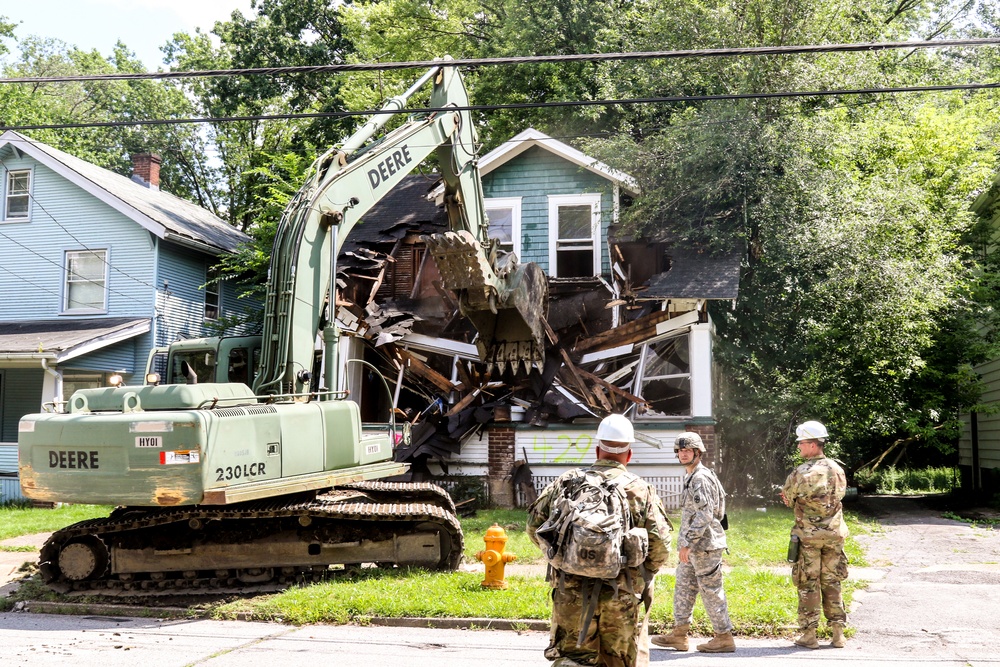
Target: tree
{"points": [[180, 146]]}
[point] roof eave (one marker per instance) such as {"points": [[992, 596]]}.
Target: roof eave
{"points": [[138, 328]]}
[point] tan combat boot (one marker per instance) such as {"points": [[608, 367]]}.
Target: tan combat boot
{"points": [[838, 640], [807, 639], [721, 643], [676, 639]]}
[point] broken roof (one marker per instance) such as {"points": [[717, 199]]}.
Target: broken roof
{"points": [[163, 214], [696, 276], [404, 209]]}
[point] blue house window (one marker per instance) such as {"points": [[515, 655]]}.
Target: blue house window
{"points": [[213, 297], [86, 281], [574, 235], [17, 201], [504, 214]]}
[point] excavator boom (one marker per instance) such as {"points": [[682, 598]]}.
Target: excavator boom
{"points": [[504, 300]]}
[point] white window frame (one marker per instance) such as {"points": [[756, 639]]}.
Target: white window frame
{"points": [[8, 195], [592, 199], [514, 204], [210, 289], [641, 379], [66, 310]]}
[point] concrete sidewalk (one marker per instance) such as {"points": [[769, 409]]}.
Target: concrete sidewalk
{"points": [[12, 562]]}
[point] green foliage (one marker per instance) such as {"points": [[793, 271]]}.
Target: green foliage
{"points": [[17, 520], [182, 148], [892, 480], [991, 522]]}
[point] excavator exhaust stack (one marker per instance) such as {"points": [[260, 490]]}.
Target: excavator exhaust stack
{"points": [[507, 306]]}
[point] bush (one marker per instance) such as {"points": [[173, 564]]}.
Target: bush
{"points": [[892, 480]]}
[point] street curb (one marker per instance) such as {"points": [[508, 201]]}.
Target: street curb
{"points": [[92, 608], [96, 608]]}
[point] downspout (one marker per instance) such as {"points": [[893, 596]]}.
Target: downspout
{"points": [[57, 380]]}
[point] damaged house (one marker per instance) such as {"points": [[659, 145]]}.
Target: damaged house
{"points": [[628, 329]]}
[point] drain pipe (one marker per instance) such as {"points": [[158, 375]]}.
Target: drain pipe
{"points": [[57, 381]]}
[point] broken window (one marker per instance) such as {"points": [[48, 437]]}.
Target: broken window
{"points": [[665, 377]]}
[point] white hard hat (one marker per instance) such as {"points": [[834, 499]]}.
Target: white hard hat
{"points": [[615, 428], [811, 430]]}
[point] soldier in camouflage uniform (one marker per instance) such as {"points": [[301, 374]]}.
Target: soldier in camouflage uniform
{"points": [[700, 543], [815, 490], [617, 636]]}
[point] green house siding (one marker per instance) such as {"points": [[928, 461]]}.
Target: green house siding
{"points": [[533, 176]]}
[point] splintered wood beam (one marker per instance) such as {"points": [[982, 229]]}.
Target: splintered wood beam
{"points": [[463, 374], [381, 273], [598, 391], [439, 288], [614, 389], [574, 374], [464, 403], [549, 333], [633, 332], [426, 372]]}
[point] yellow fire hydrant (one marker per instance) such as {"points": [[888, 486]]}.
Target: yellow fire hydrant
{"points": [[494, 557]]}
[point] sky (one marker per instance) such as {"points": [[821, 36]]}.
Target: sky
{"points": [[143, 25]]}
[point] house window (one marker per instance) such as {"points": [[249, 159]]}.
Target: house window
{"points": [[213, 297], [73, 382], [17, 203], [505, 222], [86, 281], [665, 376], [574, 235]]}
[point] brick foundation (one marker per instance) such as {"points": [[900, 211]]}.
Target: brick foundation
{"points": [[501, 463], [707, 433]]}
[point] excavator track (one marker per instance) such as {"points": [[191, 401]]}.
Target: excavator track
{"points": [[257, 546]]}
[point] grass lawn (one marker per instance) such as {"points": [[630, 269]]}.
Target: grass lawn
{"points": [[761, 597], [17, 520]]}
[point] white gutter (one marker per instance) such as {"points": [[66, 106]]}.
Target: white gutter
{"points": [[57, 380]]}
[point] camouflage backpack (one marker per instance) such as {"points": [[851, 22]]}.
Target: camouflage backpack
{"points": [[589, 530]]}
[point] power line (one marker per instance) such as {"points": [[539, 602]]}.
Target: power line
{"points": [[673, 99], [515, 60]]}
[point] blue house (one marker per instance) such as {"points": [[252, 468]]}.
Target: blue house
{"points": [[96, 269]]}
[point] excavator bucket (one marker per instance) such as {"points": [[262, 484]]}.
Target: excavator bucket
{"points": [[506, 305]]}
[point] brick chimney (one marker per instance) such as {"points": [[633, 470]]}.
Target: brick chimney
{"points": [[146, 169]]}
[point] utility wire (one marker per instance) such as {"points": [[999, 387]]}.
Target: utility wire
{"points": [[68, 233], [515, 60], [520, 105]]}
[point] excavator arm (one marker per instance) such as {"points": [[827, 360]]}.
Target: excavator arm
{"points": [[504, 300]]}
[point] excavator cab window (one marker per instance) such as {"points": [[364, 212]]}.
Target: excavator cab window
{"points": [[239, 365], [192, 367]]}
